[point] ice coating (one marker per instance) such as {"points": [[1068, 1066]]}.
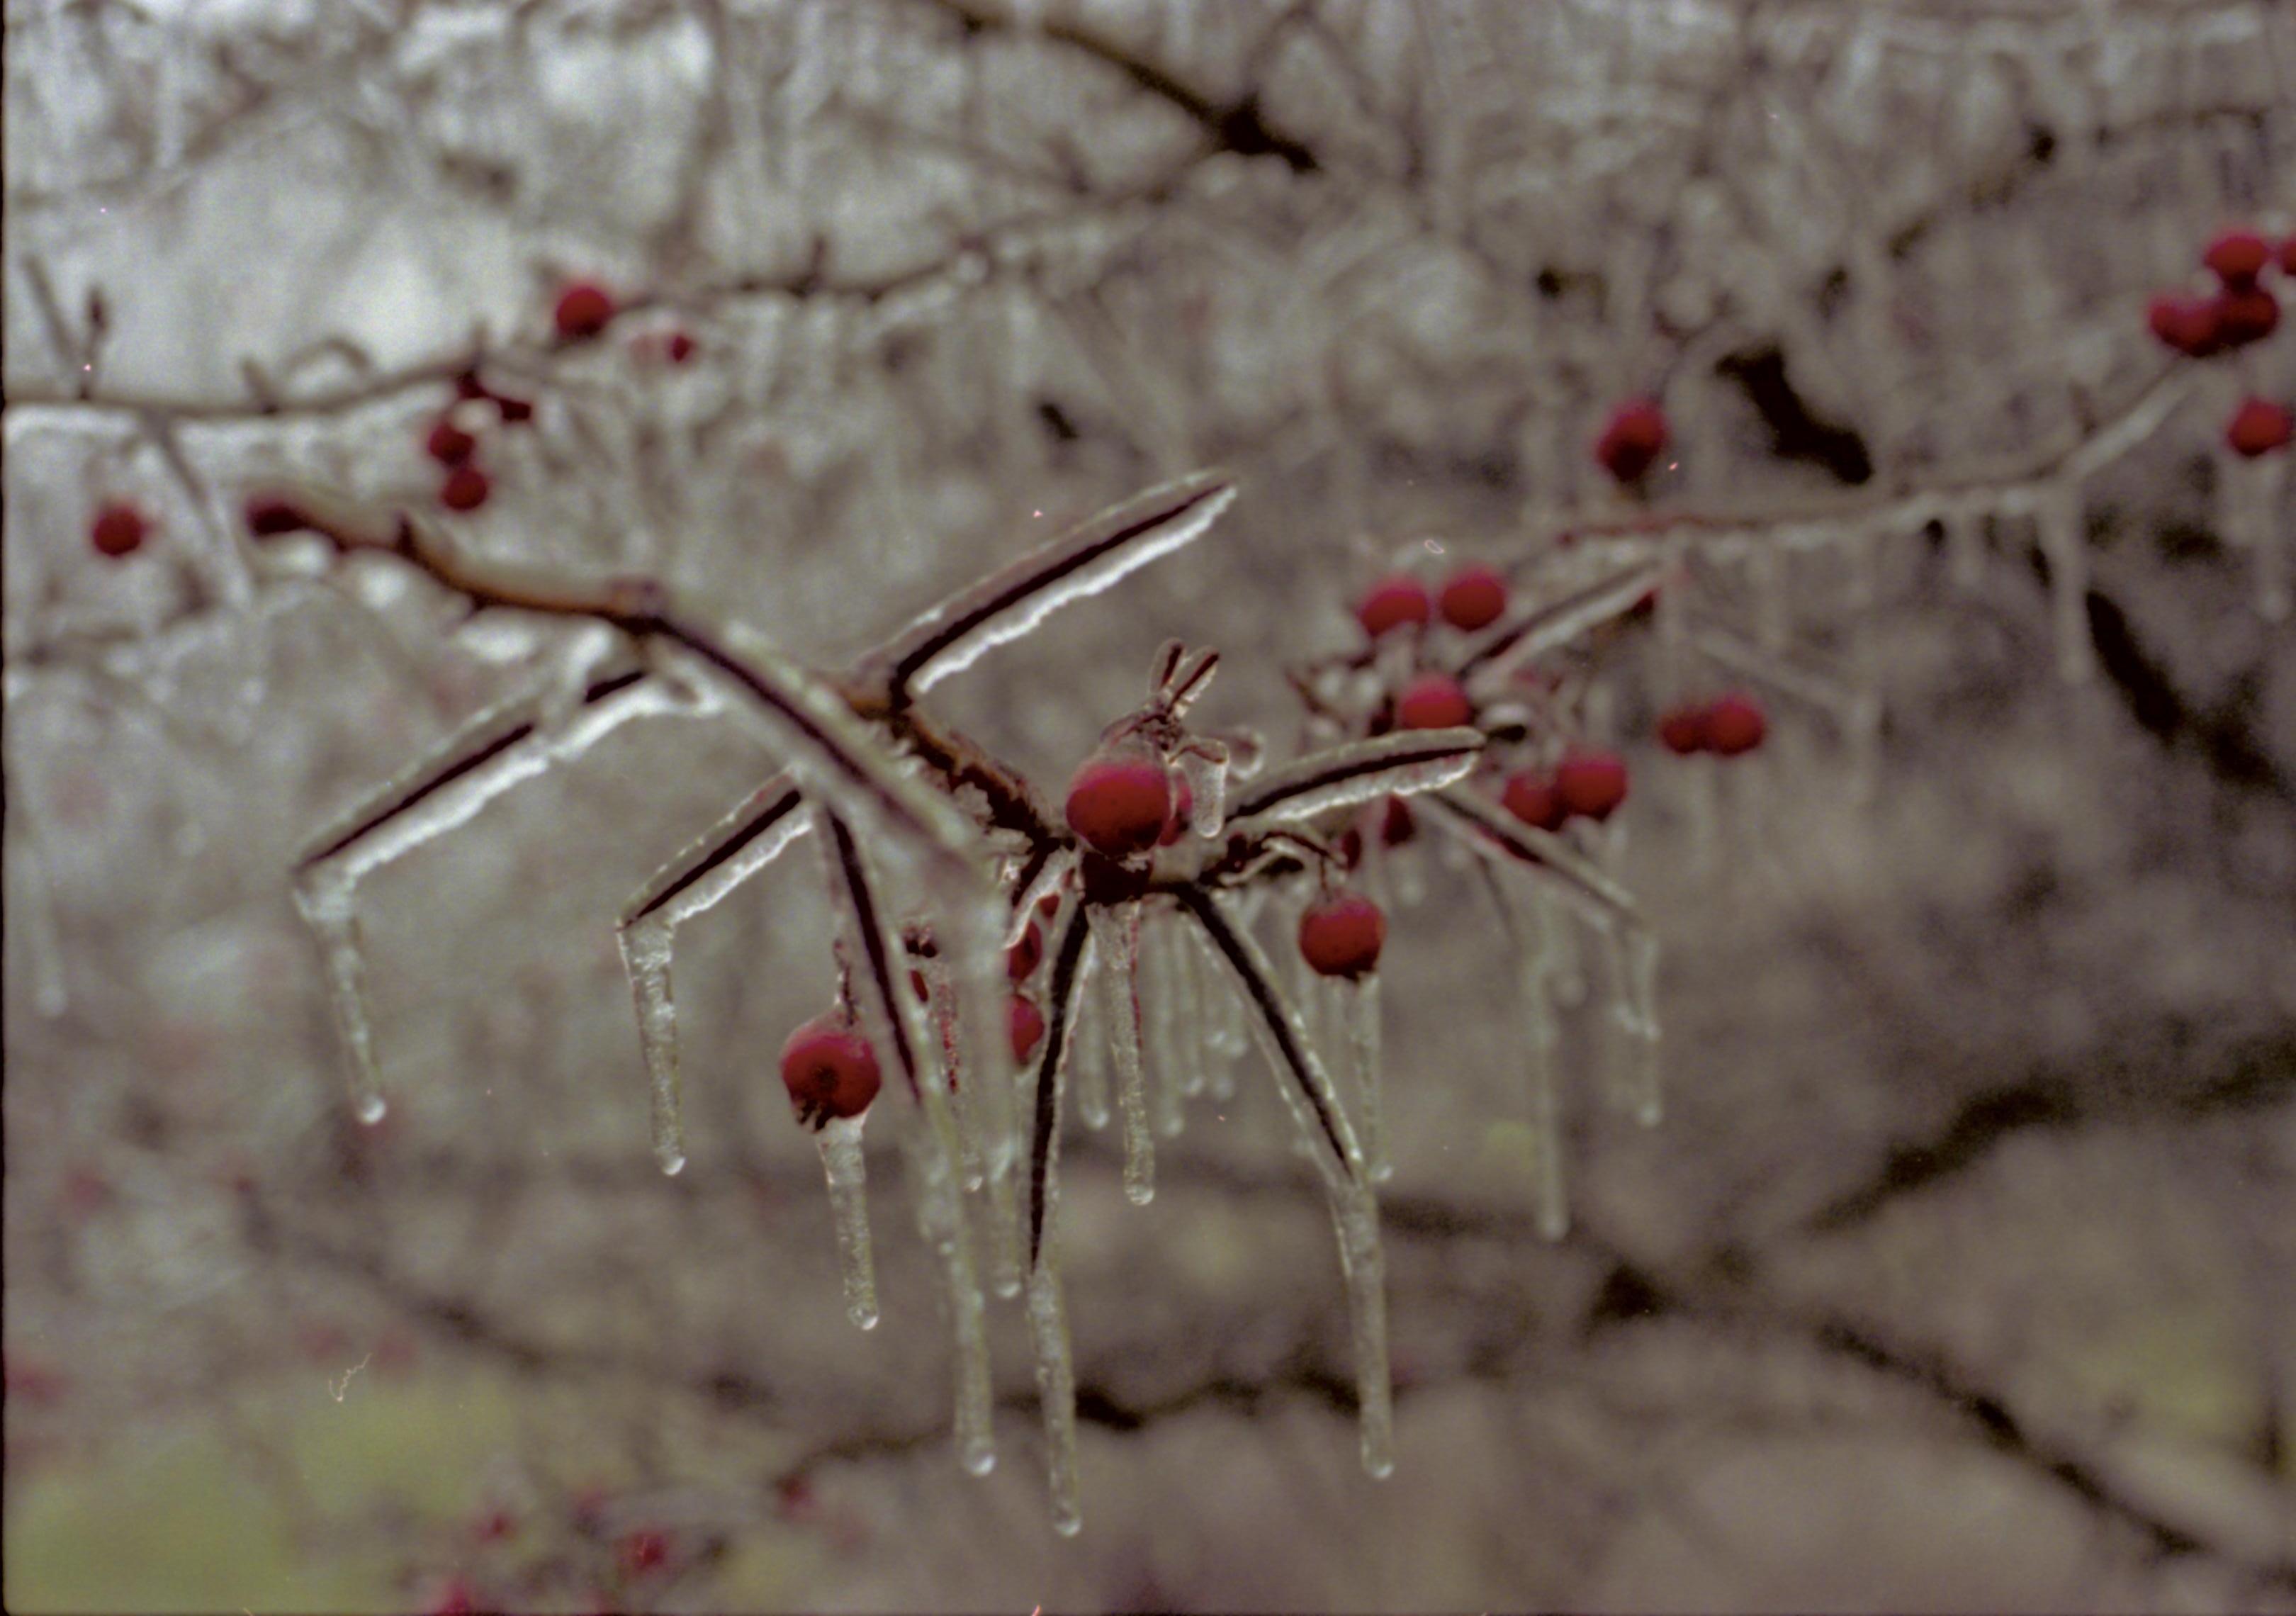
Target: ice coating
{"points": [[646, 956], [1634, 1014], [1534, 925], [1048, 1328], [1116, 966], [1203, 767], [1495, 834], [1524, 638], [1400, 764], [1358, 1004], [840, 1143], [1086, 559]]}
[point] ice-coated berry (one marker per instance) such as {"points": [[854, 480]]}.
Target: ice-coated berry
{"points": [[1473, 597], [1736, 724], [1532, 799], [1682, 731], [466, 488], [1433, 701], [1118, 804], [1635, 438], [829, 1069], [1591, 785], [583, 310], [2237, 256], [1391, 603], [1025, 1025], [2259, 427], [117, 529], [1341, 935]]}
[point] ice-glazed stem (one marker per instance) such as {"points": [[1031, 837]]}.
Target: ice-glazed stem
{"points": [[1116, 951], [840, 1140], [325, 902], [646, 957], [1356, 1215], [1359, 1010], [1637, 965]]}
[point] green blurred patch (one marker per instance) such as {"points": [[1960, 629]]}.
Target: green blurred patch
{"points": [[2184, 1369], [182, 1521]]}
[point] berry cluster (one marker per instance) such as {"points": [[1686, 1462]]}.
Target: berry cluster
{"points": [[2236, 311]]}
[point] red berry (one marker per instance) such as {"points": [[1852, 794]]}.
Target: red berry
{"points": [[2245, 314], [1021, 959], [1392, 602], [466, 488], [2288, 256], [680, 348], [1635, 437], [1475, 597], [1396, 824], [1341, 935], [1026, 1024], [513, 410], [117, 529], [829, 1069], [269, 515], [1591, 785], [2259, 427], [583, 310], [1682, 731], [2237, 256], [1534, 800], [2190, 326], [448, 444], [1433, 701], [642, 1551], [1118, 804], [1734, 725]]}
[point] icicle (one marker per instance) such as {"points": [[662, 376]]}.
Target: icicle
{"points": [[1551, 1193], [840, 1141], [1187, 1031], [976, 988], [1633, 1012], [2252, 492], [646, 957], [1048, 1333], [1358, 1006], [1206, 777], [1090, 1057], [1166, 1037], [2057, 513], [1766, 573], [324, 898], [1965, 548], [1363, 1268], [941, 1220], [1116, 951]]}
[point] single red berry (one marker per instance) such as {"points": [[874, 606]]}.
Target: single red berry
{"points": [[1395, 824], [513, 411], [642, 1552], [448, 444], [2245, 314], [1184, 809], [1734, 725], [1026, 1024], [584, 309], [1023, 958], [117, 529], [2259, 427], [1591, 785], [1390, 603], [680, 347], [2190, 326], [268, 515], [1532, 799], [466, 488], [1433, 701], [1118, 803], [2237, 256], [1341, 935], [829, 1069], [1633, 440], [1475, 597], [1682, 731]]}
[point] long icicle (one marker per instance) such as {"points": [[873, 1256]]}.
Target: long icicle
{"points": [[324, 898], [1048, 1325], [840, 1141], [1116, 946], [646, 950], [1358, 1013]]}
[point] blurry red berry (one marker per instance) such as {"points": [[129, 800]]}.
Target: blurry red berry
{"points": [[680, 348], [1591, 785], [1341, 935], [1433, 701], [1395, 824], [2288, 256], [2249, 314], [642, 1552], [1026, 1024], [1118, 804], [513, 410], [1475, 597], [1633, 440], [117, 529], [269, 515], [457, 1598], [584, 309], [1532, 799], [1682, 731], [829, 1069], [2259, 427], [466, 488], [1734, 725], [2237, 256], [448, 444], [1023, 958], [1390, 603], [2190, 326]]}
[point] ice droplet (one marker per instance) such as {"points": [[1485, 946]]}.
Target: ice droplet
{"points": [[1116, 951], [839, 1142], [372, 1109]]}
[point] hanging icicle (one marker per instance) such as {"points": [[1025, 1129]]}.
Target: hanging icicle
{"points": [[1116, 962], [840, 1141]]}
